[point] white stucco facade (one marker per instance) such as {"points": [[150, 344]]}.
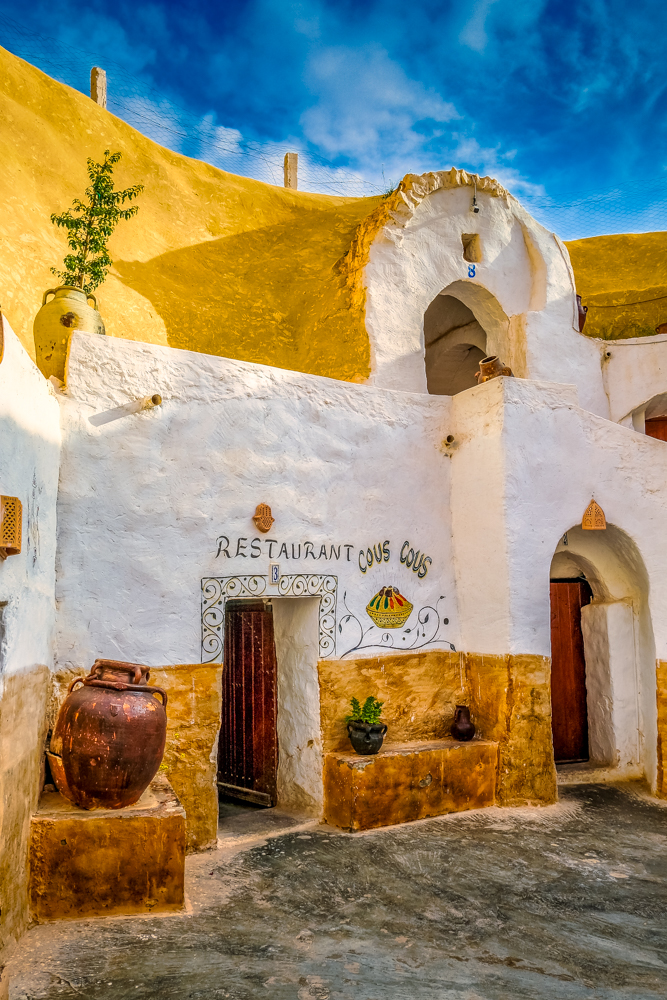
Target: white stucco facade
{"points": [[351, 474], [154, 502], [521, 292]]}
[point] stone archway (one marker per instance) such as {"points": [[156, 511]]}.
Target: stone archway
{"points": [[462, 325], [619, 647]]}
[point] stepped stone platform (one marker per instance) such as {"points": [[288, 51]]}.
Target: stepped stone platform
{"points": [[106, 862], [408, 781]]}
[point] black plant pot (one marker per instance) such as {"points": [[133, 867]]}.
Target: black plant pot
{"points": [[366, 737]]}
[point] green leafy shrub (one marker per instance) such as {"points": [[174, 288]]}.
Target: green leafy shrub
{"points": [[368, 712], [90, 224]]}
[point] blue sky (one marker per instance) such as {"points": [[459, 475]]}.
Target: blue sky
{"points": [[565, 103]]}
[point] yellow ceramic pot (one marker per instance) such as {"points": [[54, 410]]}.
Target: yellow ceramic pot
{"points": [[389, 609], [68, 310]]}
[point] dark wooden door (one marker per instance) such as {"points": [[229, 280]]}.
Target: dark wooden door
{"points": [[569, 716], [248, 749], [656, 427]]}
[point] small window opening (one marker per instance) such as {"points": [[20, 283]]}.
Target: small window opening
{"points": [[472, 247]]}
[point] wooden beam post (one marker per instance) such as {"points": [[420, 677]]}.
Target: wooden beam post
{"points": [[291, 168], [98, 86]]}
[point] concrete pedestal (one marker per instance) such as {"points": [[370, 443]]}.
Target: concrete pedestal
{"points": [[408, 781], [107, 861]]}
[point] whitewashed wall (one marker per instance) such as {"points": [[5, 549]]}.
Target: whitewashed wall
{"points": [[526, 269], [526, 463], [635, 371], [29, 455], [145, 498]]}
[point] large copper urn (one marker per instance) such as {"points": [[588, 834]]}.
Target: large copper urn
{"points": [[109, 738]]}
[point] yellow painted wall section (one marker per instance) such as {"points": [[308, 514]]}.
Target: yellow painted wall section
{"points": [[623, 281], [190, 758], [510, 701], [509, 698], [419, 692], [22, 736], [661, 783], [213, 262]]}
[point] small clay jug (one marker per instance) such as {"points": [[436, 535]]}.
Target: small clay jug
{"points": [[581, 312], [462, 728], [491, 368], [68, 310], [366, 737]]}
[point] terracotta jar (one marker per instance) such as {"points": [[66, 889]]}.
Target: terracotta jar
{"points": [[109, 738], [68, 310], [581, 313], [366, 737], [491, 368], [462, 728]]}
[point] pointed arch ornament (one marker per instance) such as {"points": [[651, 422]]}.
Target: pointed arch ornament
{"points": [[593, 519]]}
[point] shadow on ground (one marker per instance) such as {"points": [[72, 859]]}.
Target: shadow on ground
{"points": [[562, 903]]}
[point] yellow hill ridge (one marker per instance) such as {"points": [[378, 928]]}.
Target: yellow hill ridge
{"points": [[623, 281], [213, 262]]}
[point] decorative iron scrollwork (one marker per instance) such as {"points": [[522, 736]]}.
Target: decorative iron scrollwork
{"points": [[216, 590], [426, 631]]}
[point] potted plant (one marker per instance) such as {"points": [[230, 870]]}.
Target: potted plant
{"points": [[364, 728], [89, 226]]}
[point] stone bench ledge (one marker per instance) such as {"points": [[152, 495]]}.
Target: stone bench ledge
{"points": [[408, 781]]}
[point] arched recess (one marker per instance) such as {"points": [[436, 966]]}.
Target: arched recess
{"points": [[618, 646], [650, 418], [462, 325]]}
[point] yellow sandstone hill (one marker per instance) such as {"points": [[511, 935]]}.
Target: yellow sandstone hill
{"points": [[213, 262], [226, 265], [623, 281]]}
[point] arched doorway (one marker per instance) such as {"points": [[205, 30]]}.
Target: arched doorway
{"points": [[650, 418], [454, 344], [569, 708], [655, 417], [603, 653], [462, 325]]}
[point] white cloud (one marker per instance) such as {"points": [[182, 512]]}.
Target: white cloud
{"points": [[228, 149], [366, 105], [474, 32], [494, 162]]}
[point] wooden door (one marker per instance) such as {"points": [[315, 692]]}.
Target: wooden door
{"points": [[656, 427], [569, 716], [248, 747]]}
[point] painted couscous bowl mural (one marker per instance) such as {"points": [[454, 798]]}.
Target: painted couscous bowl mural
{"points": [[388, 608]]}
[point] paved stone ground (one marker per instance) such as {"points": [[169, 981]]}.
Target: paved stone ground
{"points": [[563, 903]]}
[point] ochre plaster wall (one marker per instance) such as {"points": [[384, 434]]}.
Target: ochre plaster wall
{"points": [[509, 697], [661, 783], [407, 782], [419, 692], [190, 760], [22, 735], [510, 701], [107, 861], [213, 262]]}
